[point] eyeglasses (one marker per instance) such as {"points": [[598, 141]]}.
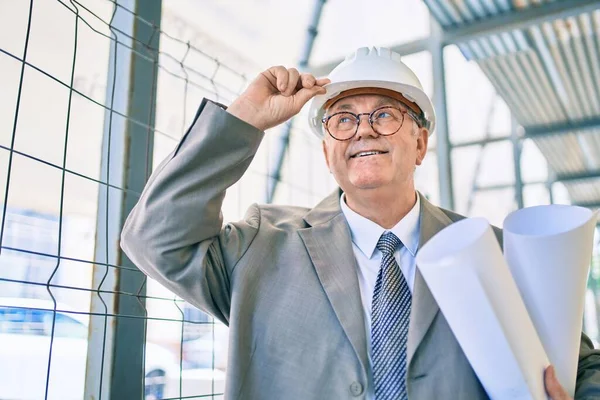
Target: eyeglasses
{"points": [[384, 120]]}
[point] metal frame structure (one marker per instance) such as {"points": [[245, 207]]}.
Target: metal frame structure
{"points": [[444, 146], [517, 150], [540, 131], [115, 363], [130, 162], [505, 22], [519, 20]]}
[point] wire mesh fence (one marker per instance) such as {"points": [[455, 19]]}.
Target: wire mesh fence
{"points": [[95, 93]]}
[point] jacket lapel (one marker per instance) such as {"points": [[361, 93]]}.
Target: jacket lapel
{"points": [[329, 245], [424, 306]]}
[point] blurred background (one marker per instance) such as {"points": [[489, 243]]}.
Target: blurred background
{"points": [[95, 93]]}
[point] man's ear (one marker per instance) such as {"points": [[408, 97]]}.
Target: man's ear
{"points": [[422, 141]]}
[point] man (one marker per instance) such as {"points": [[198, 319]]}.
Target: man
{"points": [[324, 303]]}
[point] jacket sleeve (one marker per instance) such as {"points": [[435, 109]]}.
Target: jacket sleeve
{"points": [[588, 371], [175, 232]]}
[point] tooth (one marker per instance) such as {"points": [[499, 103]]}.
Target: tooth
{"points": [[367, 153]]}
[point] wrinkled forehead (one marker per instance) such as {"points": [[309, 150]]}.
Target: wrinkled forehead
{"points": [[368, 101]]}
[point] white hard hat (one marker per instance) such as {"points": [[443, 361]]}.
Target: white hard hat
{"points": [[372, 67]]}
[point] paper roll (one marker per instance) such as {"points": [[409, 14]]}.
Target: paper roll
{"points": [[468, 277], [548, 250]]}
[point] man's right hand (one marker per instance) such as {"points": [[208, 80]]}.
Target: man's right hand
{"points": [[275, 96]]}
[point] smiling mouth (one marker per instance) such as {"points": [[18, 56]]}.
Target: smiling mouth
{"points": [[368, 153]]}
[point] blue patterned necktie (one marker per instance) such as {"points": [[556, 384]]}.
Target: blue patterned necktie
{"points": [[389, 327]]}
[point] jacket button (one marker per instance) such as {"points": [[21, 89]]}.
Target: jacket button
{"points": [[356, 388]]}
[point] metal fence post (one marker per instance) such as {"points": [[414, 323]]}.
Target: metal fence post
{"points": [[115, 363]]}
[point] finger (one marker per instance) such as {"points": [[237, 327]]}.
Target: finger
{"points": [[280, 75], [305, 94], [306, 81], [293, 78], [323, 81], [553, 387]]}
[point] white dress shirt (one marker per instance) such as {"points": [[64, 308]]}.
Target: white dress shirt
{"points": [[365, 235]]}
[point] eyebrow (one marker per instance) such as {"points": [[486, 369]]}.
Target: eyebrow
{"points": [[389, 101], [344, 106]]}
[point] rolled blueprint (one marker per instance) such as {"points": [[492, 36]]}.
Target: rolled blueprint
{"points": [[470, 280], [548, 250]]}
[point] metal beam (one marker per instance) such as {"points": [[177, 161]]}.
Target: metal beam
{"points": [[562, 128], [595, 204], [517, 150], [520, 19], [274, 175], [416, 46], [115, 363], [481, 142], [501, 186], [587, 175], [549, 187], [443, 146]]}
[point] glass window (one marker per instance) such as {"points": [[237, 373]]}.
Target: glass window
{"points": [[475, 111], [65, 326], [348, 24], [51, 131], [12, 320], [534, 167], [262, 32], [21, 321], [476, 167], [535, 195], [420, 63], [52, 180], [494, 205]]}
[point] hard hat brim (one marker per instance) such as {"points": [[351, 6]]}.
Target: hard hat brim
{"points": [[412, 93]]}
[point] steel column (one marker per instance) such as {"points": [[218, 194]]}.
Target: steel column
{"points": [[115, 363], [517, 149], [443, 146]]}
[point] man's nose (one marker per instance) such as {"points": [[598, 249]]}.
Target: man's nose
{"points": [[364, 127]]}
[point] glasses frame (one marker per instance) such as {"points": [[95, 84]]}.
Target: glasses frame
{"points": [[410, 113]]}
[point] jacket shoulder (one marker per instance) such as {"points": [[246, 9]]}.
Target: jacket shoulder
{"points": [[282, 217]]}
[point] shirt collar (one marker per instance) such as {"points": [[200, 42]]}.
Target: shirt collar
{"points": [[366, 233]]}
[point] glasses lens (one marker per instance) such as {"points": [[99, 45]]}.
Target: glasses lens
{"points": [[387, 120], [342, 126]]}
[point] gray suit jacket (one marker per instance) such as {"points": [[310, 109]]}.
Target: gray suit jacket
{"points": [[284, 280]]}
